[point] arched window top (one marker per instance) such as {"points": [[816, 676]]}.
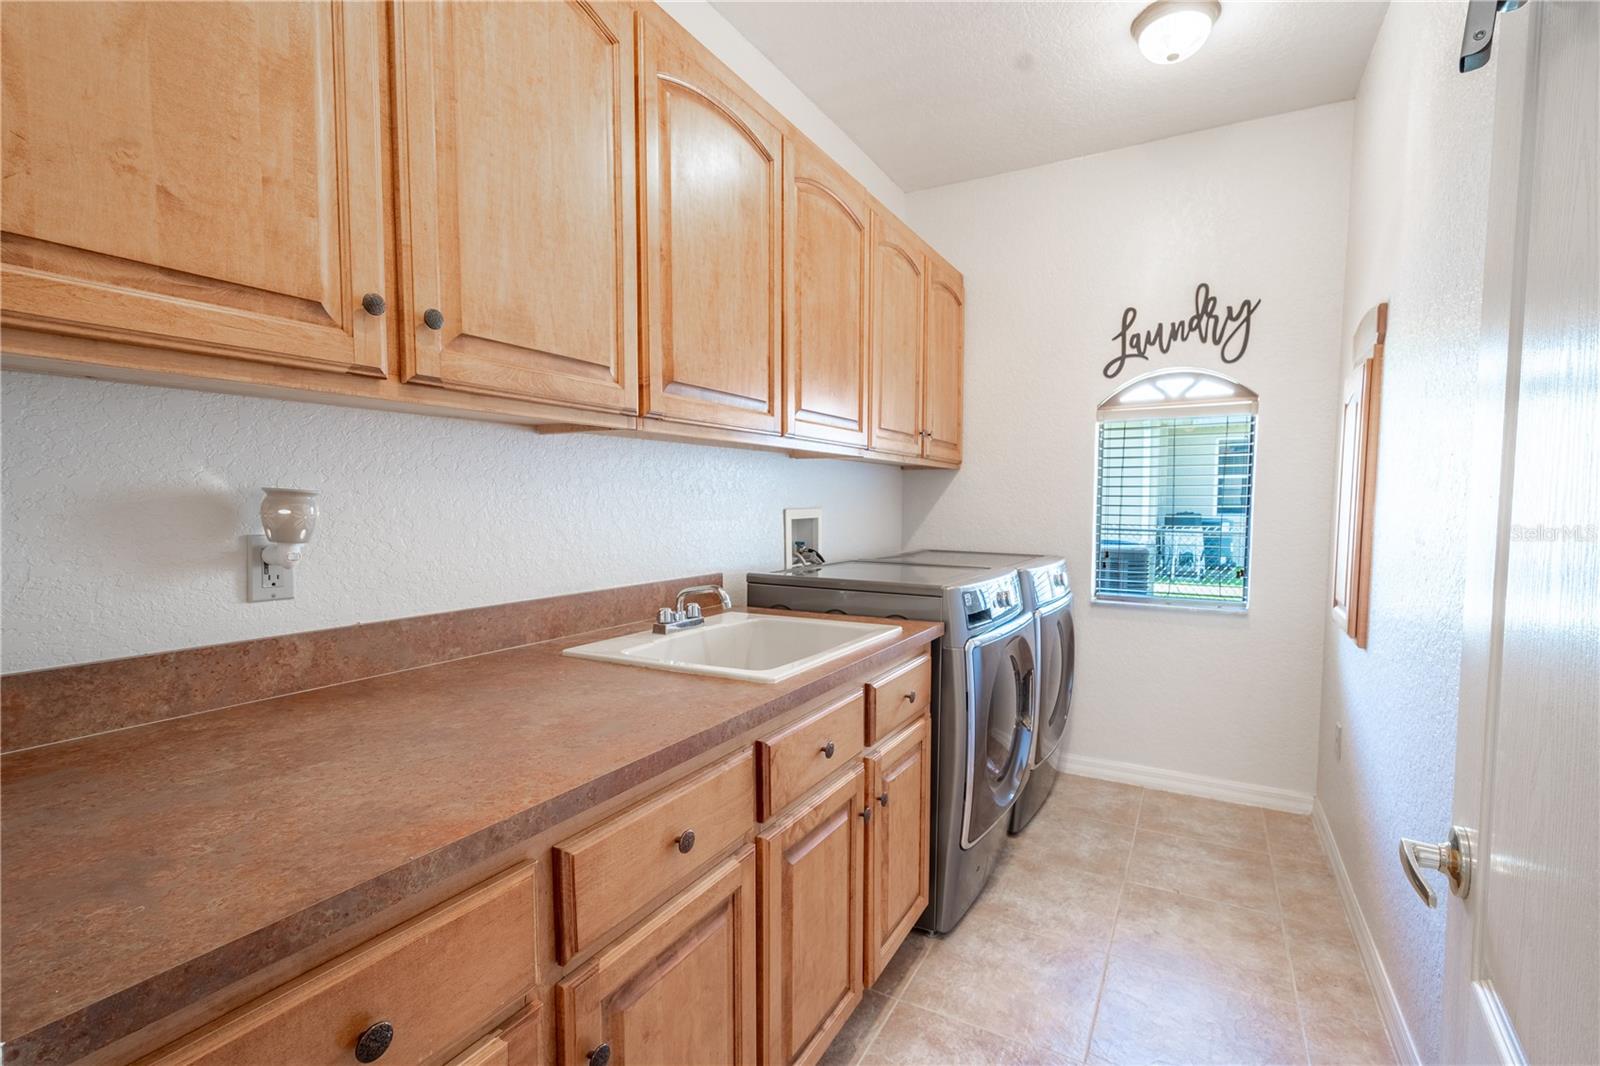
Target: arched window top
{"points": [[1178, 392]]}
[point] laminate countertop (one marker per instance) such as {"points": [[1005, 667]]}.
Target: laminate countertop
{"points": [[147, 868]]}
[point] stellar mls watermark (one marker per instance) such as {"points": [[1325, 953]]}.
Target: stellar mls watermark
{"points": [[1581, 534]]}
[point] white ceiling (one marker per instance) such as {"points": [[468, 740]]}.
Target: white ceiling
{"points": [[943, 92]]}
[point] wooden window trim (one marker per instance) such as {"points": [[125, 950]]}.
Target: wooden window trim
{"points": [[1355, 506]]}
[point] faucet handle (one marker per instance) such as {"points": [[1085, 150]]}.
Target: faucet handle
{"points": [[692, 611], [666, 616]]}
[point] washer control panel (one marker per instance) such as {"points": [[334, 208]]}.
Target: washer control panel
{"points": [[992, 601]]}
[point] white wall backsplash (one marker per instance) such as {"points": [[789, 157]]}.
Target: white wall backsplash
{"points": [[124, 506], [1051, 256], [1417, 230]]}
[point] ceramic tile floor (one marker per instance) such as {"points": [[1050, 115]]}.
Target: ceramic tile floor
{"points": [[1142, 927]]}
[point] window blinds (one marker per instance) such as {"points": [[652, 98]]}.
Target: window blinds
{"points": [[1172, 510]]}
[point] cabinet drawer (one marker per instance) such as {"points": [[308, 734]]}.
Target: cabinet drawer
{"points": [[796, 758], [606, 873], [439, 980], [898, 696]]}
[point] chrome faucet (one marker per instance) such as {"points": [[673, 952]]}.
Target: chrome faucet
{"points": [[686, 615]]}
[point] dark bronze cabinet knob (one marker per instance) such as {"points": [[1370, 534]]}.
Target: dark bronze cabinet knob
{"points": [[883, 799], [373, 304], [866, 813], [374, 1041], [433, 318], [685, 845], [911, 697], [600, 1055], [828, 750]]}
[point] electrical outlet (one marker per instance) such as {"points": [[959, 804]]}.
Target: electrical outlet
{"points": [[263, 582], [1338, 740]]}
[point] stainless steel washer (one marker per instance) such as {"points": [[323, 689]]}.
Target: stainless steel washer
{"points": [[1048, 594], [983, 714]]}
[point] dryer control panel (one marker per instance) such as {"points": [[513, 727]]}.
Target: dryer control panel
{"points": [[992, 601], [1049, 582]]}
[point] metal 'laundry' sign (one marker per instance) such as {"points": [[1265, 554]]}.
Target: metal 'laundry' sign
{"points": [[1227, 331]]}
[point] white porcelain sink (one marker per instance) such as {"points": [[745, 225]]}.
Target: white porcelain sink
{"points": [[750, 647]]}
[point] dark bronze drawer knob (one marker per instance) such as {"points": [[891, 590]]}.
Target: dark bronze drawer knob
{"points": [[866, 813], [372, 1043], [828, 750], [883, 799], [911, 697], [433, 318], [600, 1055], [373, 304], [685, 845]]}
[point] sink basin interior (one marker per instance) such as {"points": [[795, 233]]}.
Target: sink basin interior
{"points": [[747, 646]]}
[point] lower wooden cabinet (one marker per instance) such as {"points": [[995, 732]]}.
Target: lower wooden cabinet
{"points": [[422, 990], [900, 797], [812, 903], [679, 989]]}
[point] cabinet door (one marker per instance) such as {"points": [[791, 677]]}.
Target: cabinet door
{"points": [[812, 882], [897, 841], [516, 176], [712, 222], [680, 990], [941, 388], [898, 292], [827, 248], [202, 178]]}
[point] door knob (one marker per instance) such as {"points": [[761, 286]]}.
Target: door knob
{"points": [[1452, 858], [373, 304], [433, 318]]}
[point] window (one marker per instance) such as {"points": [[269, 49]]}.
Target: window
{"points": [[1174, 491]]}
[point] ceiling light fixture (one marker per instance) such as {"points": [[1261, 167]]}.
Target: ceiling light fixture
{"points": [[1170, 31]]}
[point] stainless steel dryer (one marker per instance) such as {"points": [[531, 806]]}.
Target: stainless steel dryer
{"points": [[1048, 594], [982, 702]]}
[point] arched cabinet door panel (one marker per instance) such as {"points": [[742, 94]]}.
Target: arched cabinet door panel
{"points": [[827, 266], [899, 269], [712, 167], [516, 175], [208, 184], [941, 383]]}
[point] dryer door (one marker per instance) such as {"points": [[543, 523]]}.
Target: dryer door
{"points": [[1001, 682], [1056, 650]]}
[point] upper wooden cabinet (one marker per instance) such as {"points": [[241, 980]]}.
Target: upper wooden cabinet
{"points": [[200, 178], [516, 173], [827, 246], [712, 169], [899, 291], [564, 212], [942, 360]]}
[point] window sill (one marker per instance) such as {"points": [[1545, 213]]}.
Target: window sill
{"points": [[1170, 605]]}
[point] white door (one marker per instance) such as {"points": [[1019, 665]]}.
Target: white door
{"points": [[1522, 967]]}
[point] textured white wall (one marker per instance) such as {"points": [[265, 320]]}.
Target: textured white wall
{"points": [[1051, 256], [1417, 226], [124, 506]]}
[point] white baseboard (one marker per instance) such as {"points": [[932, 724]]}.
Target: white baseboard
{"points": [[1405, 1048], [1217, 788]]}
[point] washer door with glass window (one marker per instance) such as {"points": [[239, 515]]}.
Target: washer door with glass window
{"points": [[1001, 670], [1056, 651]]}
